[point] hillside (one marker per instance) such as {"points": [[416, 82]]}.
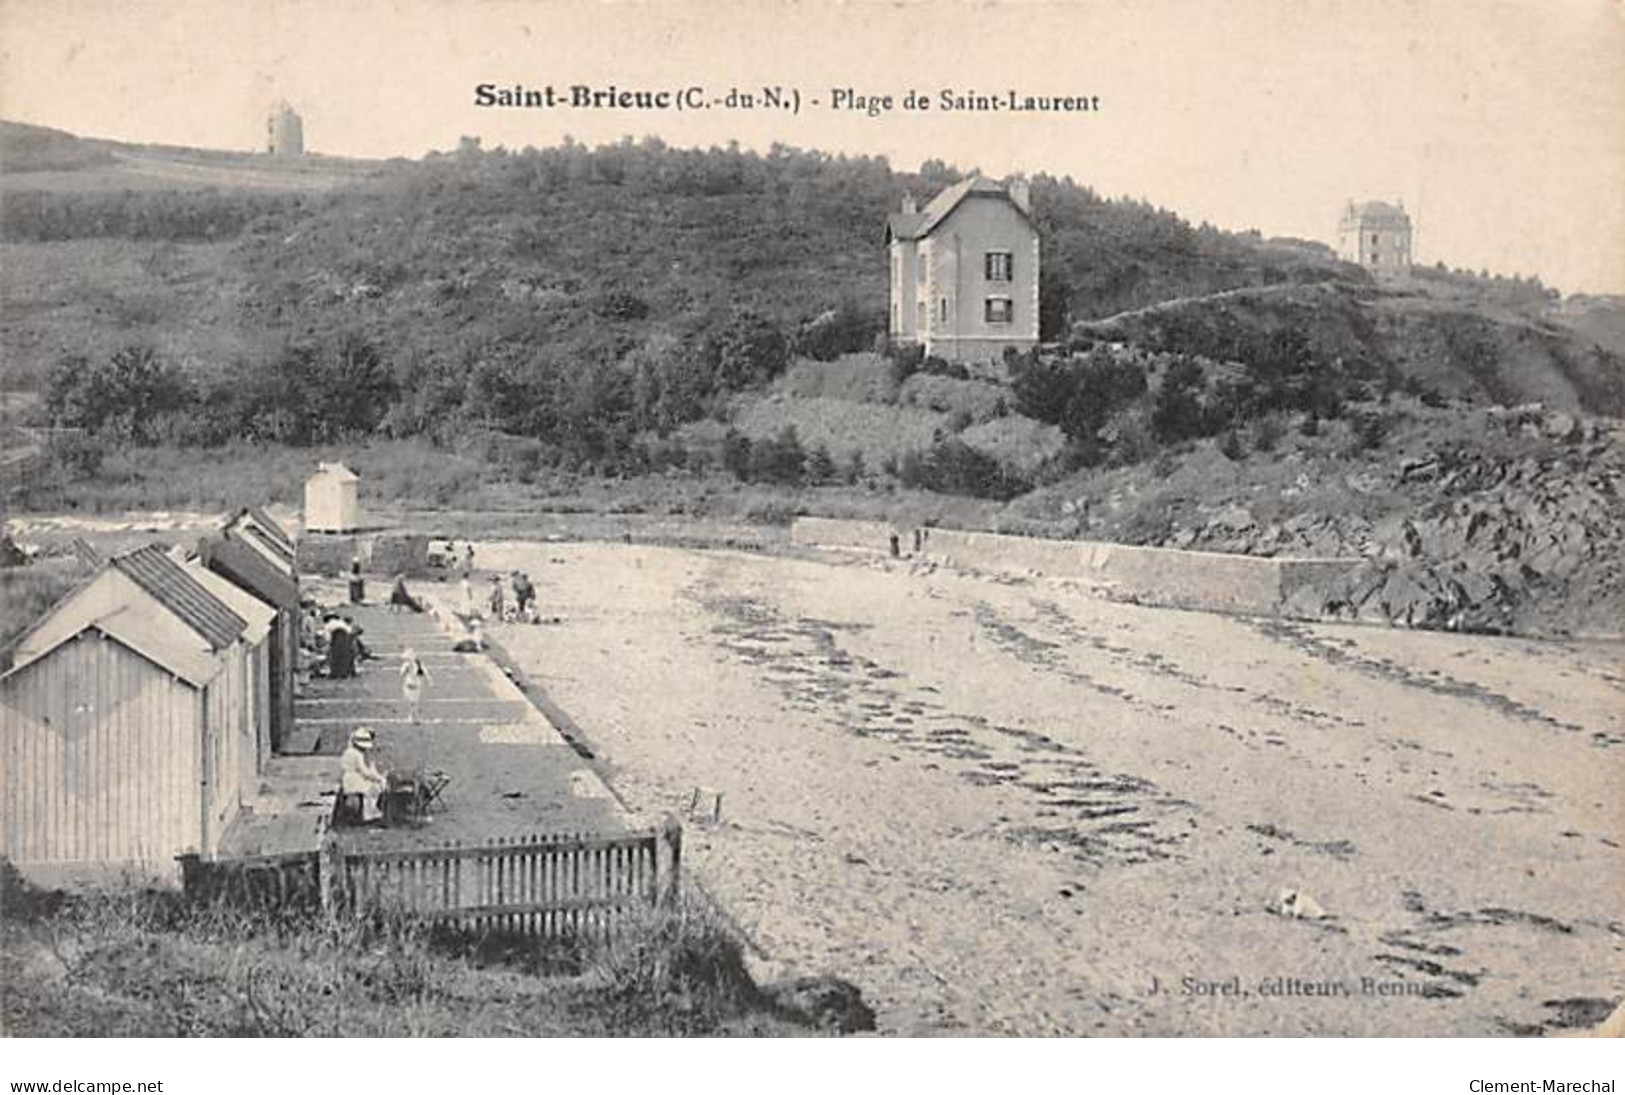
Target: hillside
{"points": [[38, 161], [1466, 350], [685, 315]]}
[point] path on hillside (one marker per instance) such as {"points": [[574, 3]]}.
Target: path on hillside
{"points": [[1007, 807]]}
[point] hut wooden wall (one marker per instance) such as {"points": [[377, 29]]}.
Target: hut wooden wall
{"points": [[100, 762], [230, 749]]}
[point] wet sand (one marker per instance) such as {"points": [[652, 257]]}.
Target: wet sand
{"points": [[1006, 807]]}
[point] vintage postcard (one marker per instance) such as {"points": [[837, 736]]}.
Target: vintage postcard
{"points": [[566, 518]]}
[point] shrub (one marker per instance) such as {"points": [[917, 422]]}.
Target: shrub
{"points": [[736, 453], [779, 459], [75, 454], [1178, 412], [686, 955], [1267, 433], [847, 328], [749, 351], [953, 467], [905, 362], [820, 465], [1230, 444]]}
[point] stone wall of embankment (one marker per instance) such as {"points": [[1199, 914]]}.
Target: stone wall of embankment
{"points": [[1247, 584]]}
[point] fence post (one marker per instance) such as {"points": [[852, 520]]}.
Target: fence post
{"points": [[191, 875], [671, 838], [327, 870]]}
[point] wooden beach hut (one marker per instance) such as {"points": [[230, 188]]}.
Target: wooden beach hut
{"points": [[125, 721], [332, 499], [247, 556]]}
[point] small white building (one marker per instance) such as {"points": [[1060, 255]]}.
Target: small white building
{"points": [[332, 499]]}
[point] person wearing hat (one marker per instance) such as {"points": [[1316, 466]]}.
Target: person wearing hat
{"points": [[358, 776]]}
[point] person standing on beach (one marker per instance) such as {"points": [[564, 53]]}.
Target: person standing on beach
{"points": [[414, 678]]}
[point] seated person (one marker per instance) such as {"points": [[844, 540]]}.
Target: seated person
{"points": [[401, 597], [358, 776]]}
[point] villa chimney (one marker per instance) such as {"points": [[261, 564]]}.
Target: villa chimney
{"points": [[1021, 193], [908, 203]]}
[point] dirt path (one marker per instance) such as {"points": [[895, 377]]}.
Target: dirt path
{"points": [[1004, 807]]}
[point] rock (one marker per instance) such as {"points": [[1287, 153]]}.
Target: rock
{"points": [[828, 1003], [1299, 906]]}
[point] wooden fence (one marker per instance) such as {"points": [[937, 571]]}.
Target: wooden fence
{"points": [[559, 884], [263, 882]]}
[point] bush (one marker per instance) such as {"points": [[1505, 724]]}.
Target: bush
{"points": [[778, 460], [1267, 433], [1179, 412], [905, 362], [953, 467], [75, 454], [845, 329], [687, 955], [736, 453], [1231, 446], [749, 351], [123, 394], [820, 465], [1078, 394]]}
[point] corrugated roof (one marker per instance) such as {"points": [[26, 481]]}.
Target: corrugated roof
{"points": [[272, 527], [169, 584], [230, 557], [910, 226], [263, 529]]}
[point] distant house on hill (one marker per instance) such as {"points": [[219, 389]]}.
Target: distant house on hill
{"points": [[964, 271], [284, 132], [1376, 236]]}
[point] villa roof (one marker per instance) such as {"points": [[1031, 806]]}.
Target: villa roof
{"points": [[1376, 211], [917, 225]]}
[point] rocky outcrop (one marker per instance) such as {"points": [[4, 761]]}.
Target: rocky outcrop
{"points": [[1527, 535]]}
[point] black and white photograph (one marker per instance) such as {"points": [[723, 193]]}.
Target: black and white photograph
{"points": [[581, 520]]}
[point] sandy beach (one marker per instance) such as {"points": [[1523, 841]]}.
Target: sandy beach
{"points": [[1009, 807]]}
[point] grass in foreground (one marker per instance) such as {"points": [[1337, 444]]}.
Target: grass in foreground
{"points": [[148, 965]]}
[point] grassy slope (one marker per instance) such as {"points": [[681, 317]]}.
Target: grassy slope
{"points": [[94, 296], [136, 965]]}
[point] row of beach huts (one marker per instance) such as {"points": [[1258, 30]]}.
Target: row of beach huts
{"points": [[138, 714]]}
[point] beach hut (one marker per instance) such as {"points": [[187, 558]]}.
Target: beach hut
{"points": [[332, 499], [126, 724], [246, 754], [245, 554], [266, 533]]}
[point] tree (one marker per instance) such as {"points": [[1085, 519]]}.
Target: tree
{"points": [[750, 350]]}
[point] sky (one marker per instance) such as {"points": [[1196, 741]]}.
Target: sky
{"points": [[1499, 123]]}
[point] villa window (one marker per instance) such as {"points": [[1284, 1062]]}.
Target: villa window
{"points": [[1000, 310], [997, 265], [942, 309]]}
